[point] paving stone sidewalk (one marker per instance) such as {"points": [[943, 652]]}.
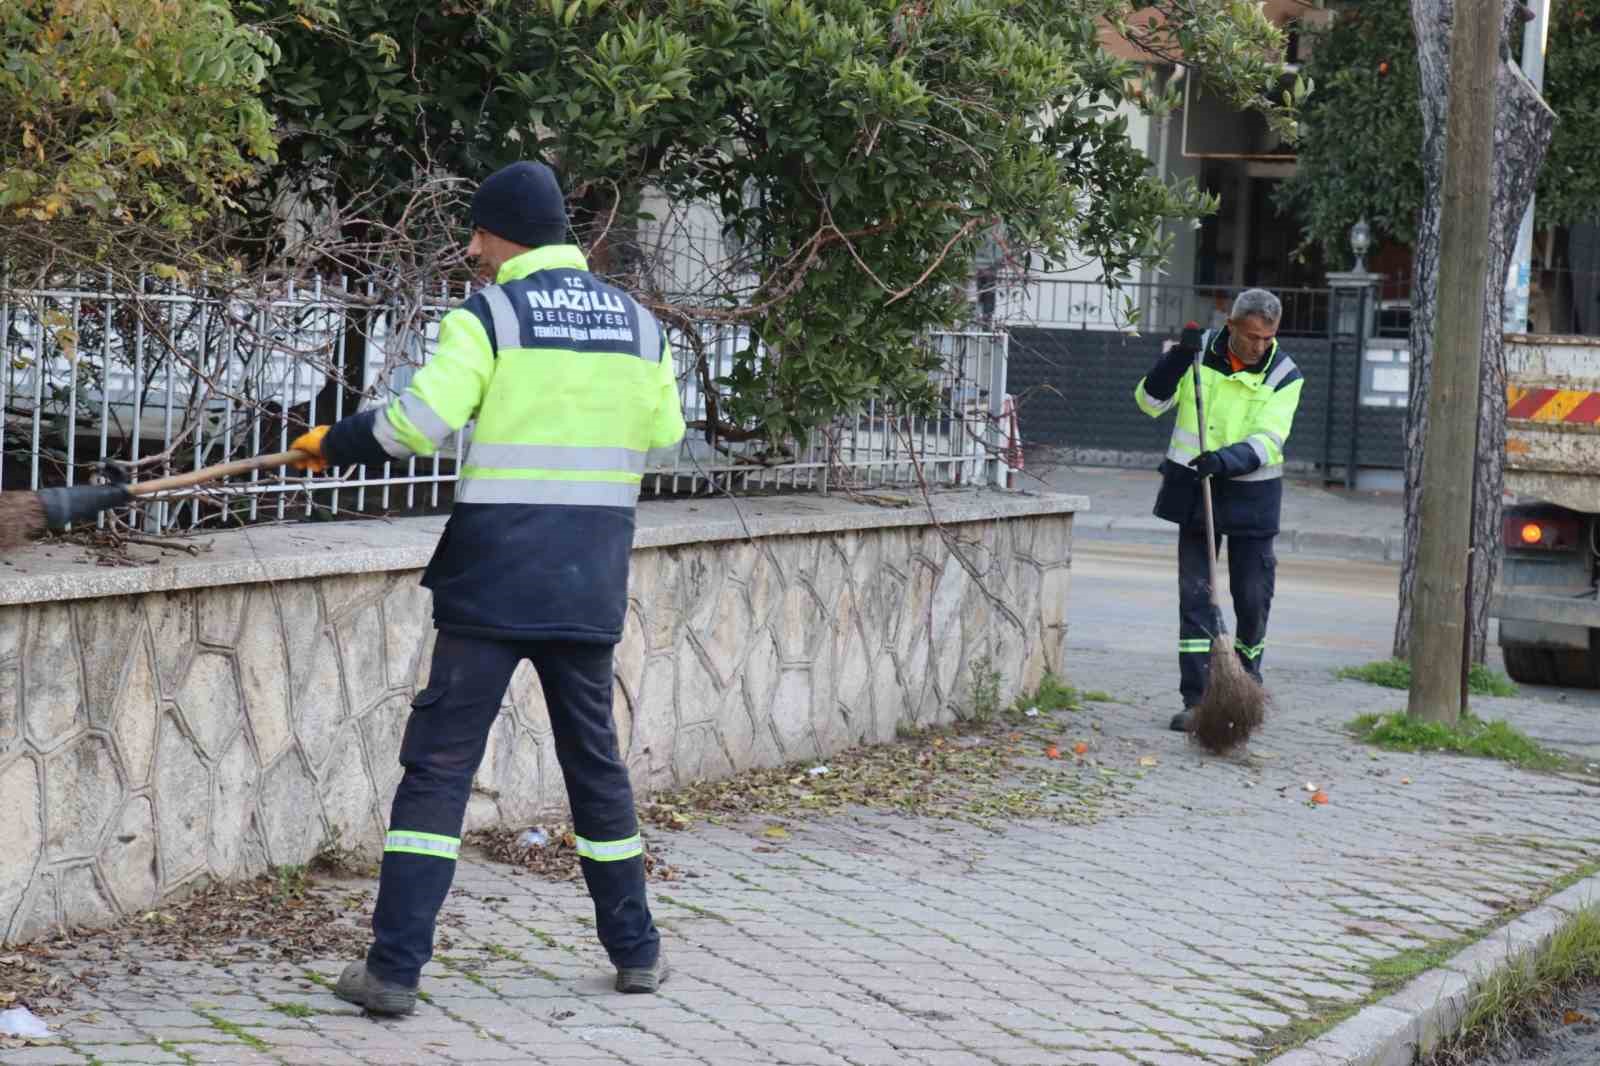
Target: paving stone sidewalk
{"points": [[1209, 905]]}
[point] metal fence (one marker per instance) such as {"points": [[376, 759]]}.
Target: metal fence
{"points": [[1154, 309], [165, 377]]}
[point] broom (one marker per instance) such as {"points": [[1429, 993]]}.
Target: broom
{"points": [[26, 514], [1233, 704]]}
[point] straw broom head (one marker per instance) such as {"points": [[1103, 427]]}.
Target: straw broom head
{"points": [[21, 518], [1233, 706]]}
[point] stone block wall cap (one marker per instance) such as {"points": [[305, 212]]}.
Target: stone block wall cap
{"points": [[55, 572]]}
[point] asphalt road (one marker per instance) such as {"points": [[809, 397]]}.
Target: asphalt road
{"points": [[1326, 613]]}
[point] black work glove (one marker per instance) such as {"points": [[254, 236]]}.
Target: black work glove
{"points": [[1191, 338], [1206, 464]]}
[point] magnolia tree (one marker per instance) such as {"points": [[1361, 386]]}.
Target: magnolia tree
{"points": [[853, 152]]}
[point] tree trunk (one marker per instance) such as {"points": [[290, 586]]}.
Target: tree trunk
{"points": [[1523, 124]]}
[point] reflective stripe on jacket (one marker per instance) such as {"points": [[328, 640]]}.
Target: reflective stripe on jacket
{"points": [[569, 383], [1249, 414]]}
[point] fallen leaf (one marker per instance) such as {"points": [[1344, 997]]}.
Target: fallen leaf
{"points": [[1151, 760], [775, 832], [1320, 798], [1405, 780], [1080, 748], [1052, 752]]}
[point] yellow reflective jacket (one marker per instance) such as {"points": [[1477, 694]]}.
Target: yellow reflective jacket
{"points": [[569, 383], [1249, 414]]}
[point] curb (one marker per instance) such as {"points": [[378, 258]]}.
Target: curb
{"points": [[1398, 1030], [1356, 547]]}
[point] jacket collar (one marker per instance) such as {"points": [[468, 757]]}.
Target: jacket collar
{"points": [[1217, 355], [550, 257]]}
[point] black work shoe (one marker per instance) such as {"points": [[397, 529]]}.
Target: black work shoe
{"points": [[1182, 722], [374, 994], [643, 978]]}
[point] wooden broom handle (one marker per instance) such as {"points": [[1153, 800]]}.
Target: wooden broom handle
{"points": [[221, 470], [1205, 485]]}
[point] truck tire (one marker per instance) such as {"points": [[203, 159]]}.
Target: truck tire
{"points": [[1529, 665]]}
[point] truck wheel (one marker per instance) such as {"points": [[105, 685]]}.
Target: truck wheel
{"points": [[1528, 665], [1575, 669]]}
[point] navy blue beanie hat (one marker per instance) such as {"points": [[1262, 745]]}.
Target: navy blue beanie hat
{"points": [[522, 203]]}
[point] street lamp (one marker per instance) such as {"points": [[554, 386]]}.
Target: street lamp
{"points": [[1360, 241]]}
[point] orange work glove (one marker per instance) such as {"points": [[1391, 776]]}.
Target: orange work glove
{"points": [[311, 442]]}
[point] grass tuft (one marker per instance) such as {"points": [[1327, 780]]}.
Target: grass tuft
{"points": [[295, 1010], [1469, 736], [1053, 695], [1396, 673], [1511, 1003]]}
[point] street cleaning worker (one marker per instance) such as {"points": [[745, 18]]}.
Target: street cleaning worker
{"points": [[1252, 390], [571, 383]]}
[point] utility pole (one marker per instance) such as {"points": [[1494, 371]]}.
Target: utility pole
{"points": [[1534, 37], [1439, 621]]}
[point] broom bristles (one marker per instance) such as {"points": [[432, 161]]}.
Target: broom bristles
{"points": [[21, 518], [1233, 704]]}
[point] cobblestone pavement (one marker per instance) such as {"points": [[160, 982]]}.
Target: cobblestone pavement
{"points": [[1209, 904]]}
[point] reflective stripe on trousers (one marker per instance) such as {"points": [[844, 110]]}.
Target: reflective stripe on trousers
{"points": [[412, 842], [610, 850]]}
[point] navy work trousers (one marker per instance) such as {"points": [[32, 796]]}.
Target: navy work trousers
{"points": [[1252, 574], [443, 745]]}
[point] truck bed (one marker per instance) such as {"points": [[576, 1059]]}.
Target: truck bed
{"points": [[1553, 421]]}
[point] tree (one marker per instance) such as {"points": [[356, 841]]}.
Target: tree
{"points": [[124, 121], [1523, 123], [1441, 615], [372, 97], [1381, 97], [1361, 130], [1569, 184], [855, 151], [1357, 153]]}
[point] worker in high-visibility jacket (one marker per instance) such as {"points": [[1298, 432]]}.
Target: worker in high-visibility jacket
{"points": [[570, 384], [1251, 392]]}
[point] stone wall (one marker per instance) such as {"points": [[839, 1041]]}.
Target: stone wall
{"points": [[148, 740]]}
